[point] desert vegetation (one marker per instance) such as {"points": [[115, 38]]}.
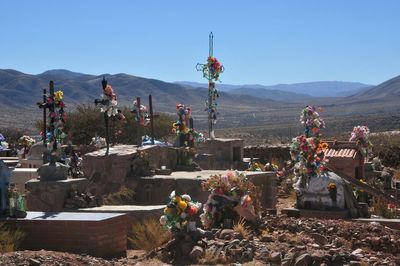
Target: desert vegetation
{"points": [[9, 239]]}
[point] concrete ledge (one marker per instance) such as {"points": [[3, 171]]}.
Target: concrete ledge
{"points": [[391, 223], [135, 213], [97, 234], [293, 212]]}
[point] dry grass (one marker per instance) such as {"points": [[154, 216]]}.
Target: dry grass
{"points": [[241, 229], [387, 147], [148, 235], [122, 197], [9, 239], [380, 208], [210, 259]]}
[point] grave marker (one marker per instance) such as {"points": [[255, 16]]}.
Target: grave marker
{"points": [[211, 71]]}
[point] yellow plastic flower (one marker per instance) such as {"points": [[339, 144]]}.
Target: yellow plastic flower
{"points": [[58, 96], [168, 210], [332, 186], [182, 205], [324, 145]]}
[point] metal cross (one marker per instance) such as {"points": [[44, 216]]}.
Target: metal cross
{"points": [[49, 103], [208, 73]]}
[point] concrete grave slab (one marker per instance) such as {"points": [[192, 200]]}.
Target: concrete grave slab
{"points": [[97, 234]]}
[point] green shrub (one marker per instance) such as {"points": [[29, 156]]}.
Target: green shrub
{"points": [[148, 235], [9, 239], [86, 121]]}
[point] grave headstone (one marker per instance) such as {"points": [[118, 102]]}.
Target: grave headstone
{"points": [[5, 174]]}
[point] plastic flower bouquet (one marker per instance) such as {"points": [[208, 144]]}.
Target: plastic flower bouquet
{"points": [[360, 135], [3, 143], [179, 211], [141, 114], [229, 195], [312, 121], [26, 143]]}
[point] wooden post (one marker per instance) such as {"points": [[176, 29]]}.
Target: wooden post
{"points": [[44, 118], [139, 127], [104, 85], [151, 119]]}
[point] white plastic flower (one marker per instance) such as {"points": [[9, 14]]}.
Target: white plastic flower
{"points": [[163, 220], [186, 197]]}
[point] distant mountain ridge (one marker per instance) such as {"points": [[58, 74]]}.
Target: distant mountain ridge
{"points": [[314, 89], [19, 89], [240, 106], [385, 90]]}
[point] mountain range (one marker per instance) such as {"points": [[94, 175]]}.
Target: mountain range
{"points": [[238, 104], [314, 89]]}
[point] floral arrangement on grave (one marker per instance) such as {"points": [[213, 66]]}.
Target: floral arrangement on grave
{"points": [[360, 135], [259, 167], [186, 155], [187, 135], [141, 114], [231, 195], [108, 103], [98, 142], [26, 142], [307, 151], [255, 167], [211, 71], [3, 143], [57, 118], [332, 188], [180, 211]]}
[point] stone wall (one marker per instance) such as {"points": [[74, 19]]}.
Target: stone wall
{"points": [[155, 190], [51, 195], [268, 154], [122, 166], [221, 154]]}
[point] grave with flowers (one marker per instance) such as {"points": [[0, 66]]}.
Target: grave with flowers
{"points": [[231, 197], [317, 188]]}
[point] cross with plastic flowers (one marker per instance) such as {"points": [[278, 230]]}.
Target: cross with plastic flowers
{"points": [[211, 71]]}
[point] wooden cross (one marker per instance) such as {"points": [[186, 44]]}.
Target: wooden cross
{"points": [[152, 116], [106, 118]]}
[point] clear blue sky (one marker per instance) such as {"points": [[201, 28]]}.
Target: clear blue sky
{"points": [[264, 42]]}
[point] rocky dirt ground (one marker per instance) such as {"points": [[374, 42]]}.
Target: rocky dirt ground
{"points": [[278, 240]]}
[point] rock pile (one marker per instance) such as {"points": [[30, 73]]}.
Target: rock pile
{"points": [[78, 200], [289, 241], [47, 258]]}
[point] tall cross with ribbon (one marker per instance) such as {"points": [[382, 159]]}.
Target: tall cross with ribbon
{"points": [[53, 133], [211, 71]]}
